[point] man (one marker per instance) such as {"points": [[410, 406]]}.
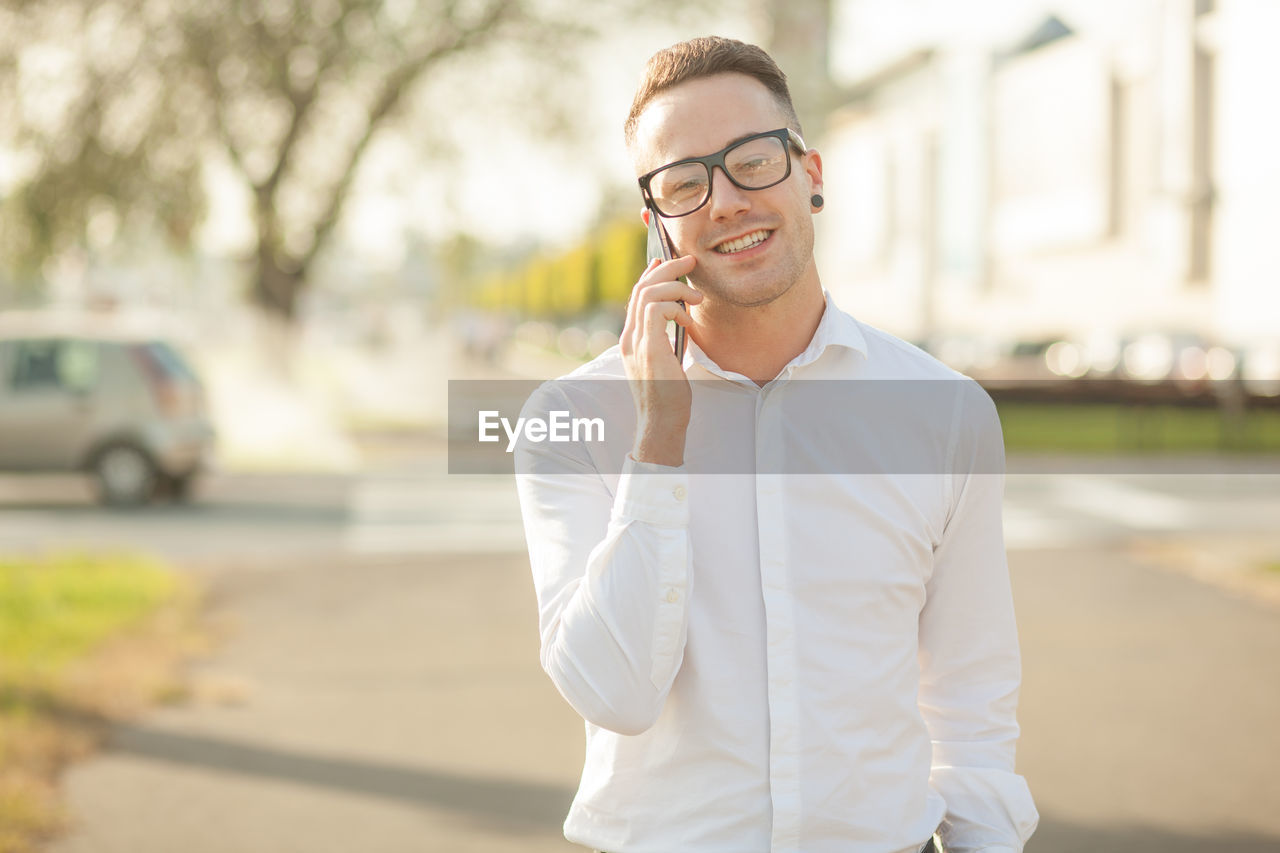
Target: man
{"points": [[781, 606]]}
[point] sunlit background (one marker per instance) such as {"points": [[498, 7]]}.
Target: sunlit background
{"points": [[245, 246], [1075, 189]]}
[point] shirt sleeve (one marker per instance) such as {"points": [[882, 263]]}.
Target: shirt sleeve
{"points": [[611, 574], [970, 662]]}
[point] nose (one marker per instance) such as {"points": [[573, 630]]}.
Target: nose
{"points": [[727, 199]]}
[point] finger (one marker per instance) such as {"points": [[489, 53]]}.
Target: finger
{"points": [[668, 270], [625, 343], [669, 291], [658, 314], [653, 262], [664, 294], [665, 271], [664, 291], [629, 322], [657, 272]]}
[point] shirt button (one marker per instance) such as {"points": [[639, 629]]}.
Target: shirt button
{"points": [[678, 491], [673, 596]]}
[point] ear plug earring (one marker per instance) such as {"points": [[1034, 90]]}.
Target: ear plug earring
{"points": [[816, 200]]}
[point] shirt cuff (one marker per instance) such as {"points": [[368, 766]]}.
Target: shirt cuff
{"points": [[653, 493]]}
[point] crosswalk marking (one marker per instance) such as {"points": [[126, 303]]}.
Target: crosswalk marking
{"points": [[412, 506], [1109, 499], [434, 513], [1032, 527]]}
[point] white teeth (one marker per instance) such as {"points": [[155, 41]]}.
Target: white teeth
{"points": [[755, 238]]}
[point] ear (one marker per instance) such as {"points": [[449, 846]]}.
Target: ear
{"points": [[813, 169], [644, 216]]}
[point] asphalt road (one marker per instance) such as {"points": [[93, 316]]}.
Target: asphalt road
{"points": [[403, 502], [379, 689]]}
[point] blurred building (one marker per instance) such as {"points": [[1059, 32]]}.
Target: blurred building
{"points": [[1071, 184]]}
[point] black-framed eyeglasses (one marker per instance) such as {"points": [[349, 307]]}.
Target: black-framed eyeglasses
{"points": [[757, 162]]}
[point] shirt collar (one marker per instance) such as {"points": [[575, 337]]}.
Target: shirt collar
{"points": [[836, 328]]}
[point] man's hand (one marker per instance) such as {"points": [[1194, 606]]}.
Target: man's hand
{"points": [[658, 384]]}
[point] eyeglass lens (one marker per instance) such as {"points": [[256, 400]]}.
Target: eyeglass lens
{"points": [[753, 165]]}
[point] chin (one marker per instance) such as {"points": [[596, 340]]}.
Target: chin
{"points": [[744, 295]]}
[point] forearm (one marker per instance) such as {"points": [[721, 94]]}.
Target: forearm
{"points": [[619, 639], [614, 603]]}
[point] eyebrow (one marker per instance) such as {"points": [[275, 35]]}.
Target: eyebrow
{"points": [[729, 144], [743, 137]]}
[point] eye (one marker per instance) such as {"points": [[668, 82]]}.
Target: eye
{"points": [[683, 188]]}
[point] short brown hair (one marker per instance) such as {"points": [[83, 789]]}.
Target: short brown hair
{"points": [[706, 57]]}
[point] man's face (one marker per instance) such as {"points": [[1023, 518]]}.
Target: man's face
{"points": [[701, 117]]}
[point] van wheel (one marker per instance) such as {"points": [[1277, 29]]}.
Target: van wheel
{"points": [[176, 487], [126, 476]]}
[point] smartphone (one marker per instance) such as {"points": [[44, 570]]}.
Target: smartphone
{"points": [[660, 247]]}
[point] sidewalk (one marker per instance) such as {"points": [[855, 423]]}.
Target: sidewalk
{"points": [[379, 707], [393, 707]]}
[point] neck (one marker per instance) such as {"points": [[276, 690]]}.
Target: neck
{"points": [[759, 341]]}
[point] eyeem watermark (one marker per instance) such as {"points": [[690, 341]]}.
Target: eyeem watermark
{"points": [[559, 426], [876, 426]]}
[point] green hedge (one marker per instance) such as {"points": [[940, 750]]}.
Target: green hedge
{"points": [[1109, 428], [600, 271]]}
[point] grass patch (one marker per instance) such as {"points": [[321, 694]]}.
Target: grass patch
{"points": [[1110, 428], [84, 640]]}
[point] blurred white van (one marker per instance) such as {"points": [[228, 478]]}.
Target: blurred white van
{"points": [[124, 407]]}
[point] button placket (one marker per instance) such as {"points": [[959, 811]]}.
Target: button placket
{"points": [[779, 626]]}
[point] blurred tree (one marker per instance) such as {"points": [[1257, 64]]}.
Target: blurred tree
{"points": [[539, 286], [572, 273], [460, 260], [799, 39], [110, 110], [623, 247]]}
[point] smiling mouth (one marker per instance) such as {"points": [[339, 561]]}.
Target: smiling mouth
{"points": [[741, 244]]}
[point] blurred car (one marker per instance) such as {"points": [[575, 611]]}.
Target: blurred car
{"points": [[1012, 364], [125, 408]]}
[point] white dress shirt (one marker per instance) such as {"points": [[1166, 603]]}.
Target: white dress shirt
{"points": [[771, 657]]}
